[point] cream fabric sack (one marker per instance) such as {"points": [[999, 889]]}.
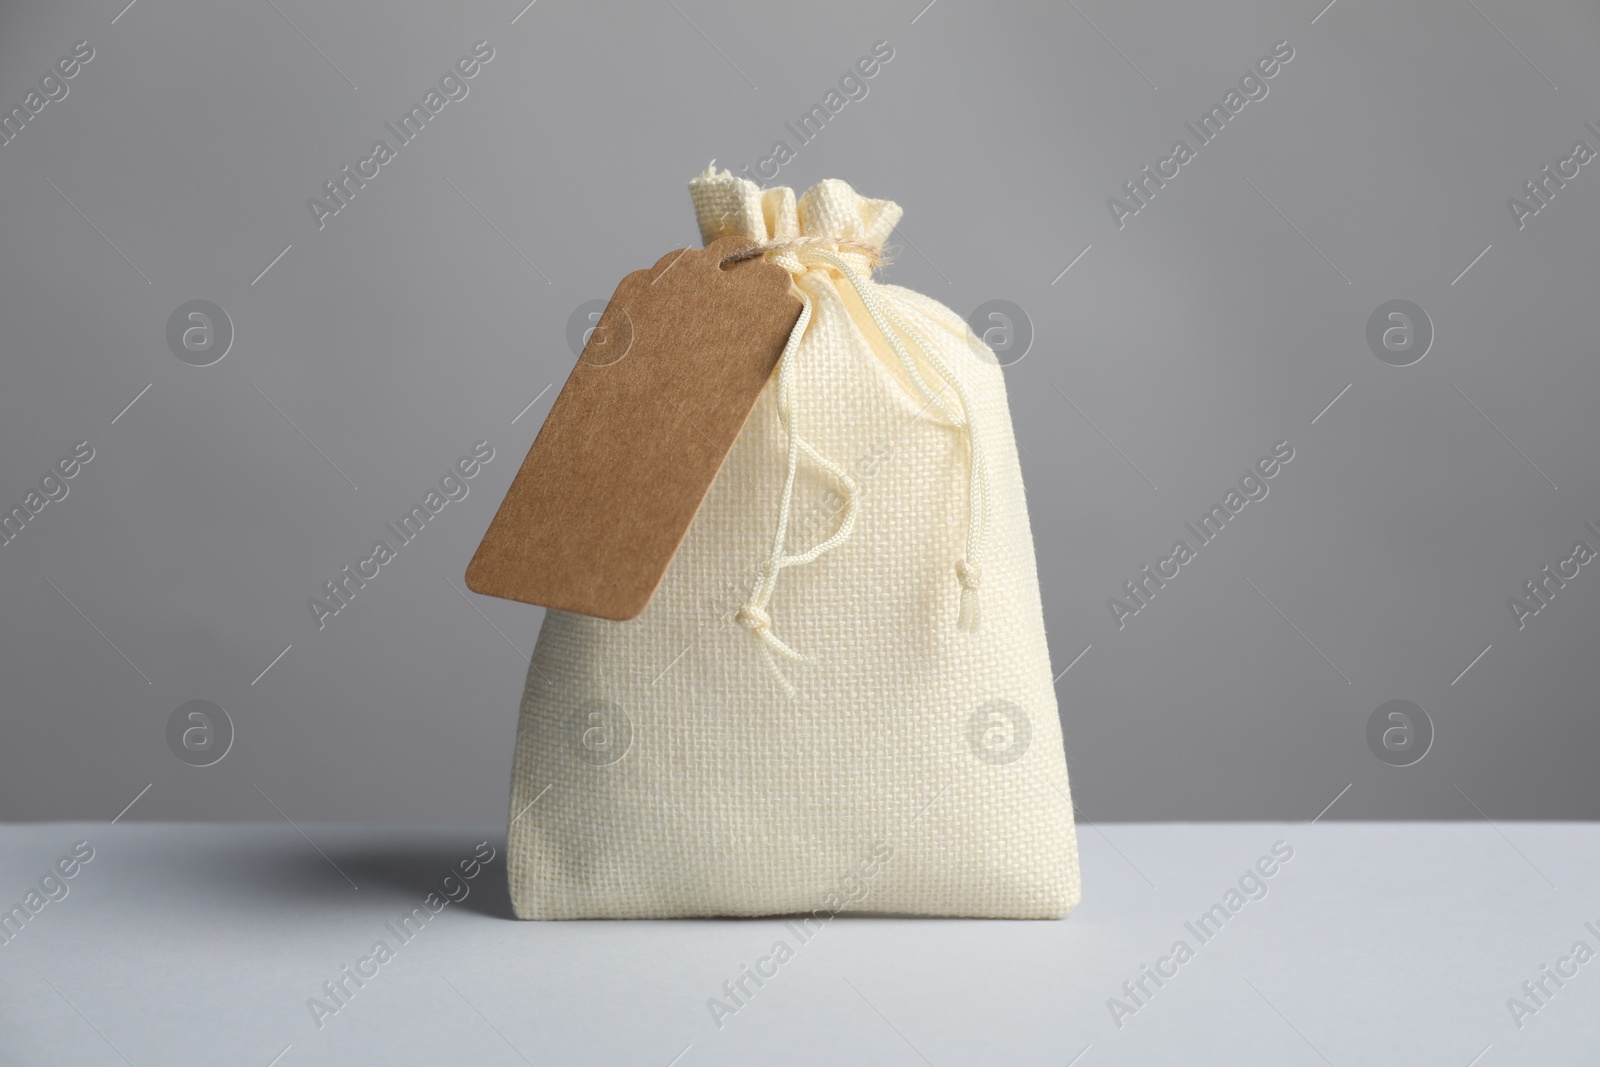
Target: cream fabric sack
{"points": [[690, 762]]}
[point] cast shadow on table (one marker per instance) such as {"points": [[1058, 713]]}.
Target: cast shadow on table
{"points": [[411, 871], [406, 869], [402, 869]]}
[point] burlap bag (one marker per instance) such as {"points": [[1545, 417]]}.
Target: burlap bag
{"points": [[857, 717]]}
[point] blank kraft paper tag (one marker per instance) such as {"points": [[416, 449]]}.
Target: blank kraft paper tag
{"points": [[631, 446]]}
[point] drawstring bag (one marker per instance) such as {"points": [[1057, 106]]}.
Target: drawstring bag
{"points": [[839, 698]]}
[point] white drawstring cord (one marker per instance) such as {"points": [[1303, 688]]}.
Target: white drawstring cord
{"points": [[753, 614], [969, 571]]}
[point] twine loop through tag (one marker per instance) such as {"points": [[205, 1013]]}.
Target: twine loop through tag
{"points": [[872, 255]]}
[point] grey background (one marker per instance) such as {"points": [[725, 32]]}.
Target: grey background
{"points": [[1224, 317]]}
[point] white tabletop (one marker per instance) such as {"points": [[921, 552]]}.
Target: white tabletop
{"points": [[1400, 943]]}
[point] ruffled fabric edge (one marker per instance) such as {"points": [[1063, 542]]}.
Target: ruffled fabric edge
{"points": [[729, 206]]}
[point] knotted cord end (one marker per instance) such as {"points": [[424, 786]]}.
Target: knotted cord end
{"points": [[968, 574], [754, 619], [759, 623]]}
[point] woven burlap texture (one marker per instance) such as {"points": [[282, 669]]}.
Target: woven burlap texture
{"points": [[661, 770]]}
